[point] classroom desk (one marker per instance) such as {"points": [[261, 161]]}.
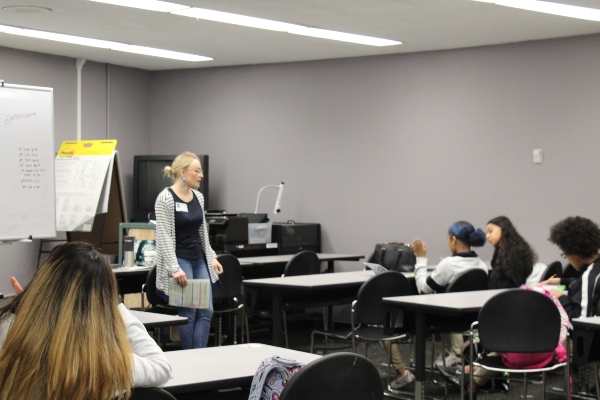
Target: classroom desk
{"points": [[215, 368], [321, 289], [284, 258], [464, 305], [130, 280], [586, 340], [154, 320]]}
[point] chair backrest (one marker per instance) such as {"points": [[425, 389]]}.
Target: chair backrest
{"points": [[468, 281], [150, 289], [151, 394], [231, 278], [336, 376], [304, 263], [554, 268], [369, 300], [519, 321]]}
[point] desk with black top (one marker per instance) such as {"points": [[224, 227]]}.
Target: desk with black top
{"points": [[320, 289], [423, 308], [215, 368]]}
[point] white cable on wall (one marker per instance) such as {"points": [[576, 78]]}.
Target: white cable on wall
{"points": [[79, 65]]}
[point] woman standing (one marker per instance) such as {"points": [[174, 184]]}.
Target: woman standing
{"points": [[513, 258], [182, 248]]}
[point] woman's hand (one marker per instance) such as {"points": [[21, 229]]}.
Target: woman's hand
{"points": [[419, 248], [218, 266], [180, 278], [551, 281], [16, 286]]}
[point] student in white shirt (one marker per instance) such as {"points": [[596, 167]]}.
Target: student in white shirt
{"points": [[461, 236]]}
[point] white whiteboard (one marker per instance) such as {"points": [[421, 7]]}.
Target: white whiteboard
{"points": [[27, 204]]}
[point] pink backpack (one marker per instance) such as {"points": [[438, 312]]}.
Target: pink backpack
{"points": [[539, 360]]}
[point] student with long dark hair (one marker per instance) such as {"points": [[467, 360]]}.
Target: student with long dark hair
{"points": [[66, 337], [513, 258]]}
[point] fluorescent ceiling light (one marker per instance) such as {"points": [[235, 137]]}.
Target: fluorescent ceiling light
{"points": [[235, 19], [563, 10], [251, 22], [268, 24], [103, 44], [151, 5]]}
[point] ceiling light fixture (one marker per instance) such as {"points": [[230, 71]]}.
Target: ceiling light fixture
{"points": [[103, 44], [150, 5], [252, 22], [563, 10]]}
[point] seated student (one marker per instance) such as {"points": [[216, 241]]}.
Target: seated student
{"points": [[513, 258], [460, 236], [512, 263], [579, 240], [66, 337]]}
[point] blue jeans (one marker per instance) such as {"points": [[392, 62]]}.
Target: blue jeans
{"points": [[194, 335]]}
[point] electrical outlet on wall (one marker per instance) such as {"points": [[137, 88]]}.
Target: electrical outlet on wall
{"points": [[537, 156]]}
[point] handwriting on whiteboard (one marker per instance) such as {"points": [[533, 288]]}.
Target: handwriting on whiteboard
{"points": [[17, 116]]}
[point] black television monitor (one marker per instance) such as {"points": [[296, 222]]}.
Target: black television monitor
{"points": [[149, 180]]}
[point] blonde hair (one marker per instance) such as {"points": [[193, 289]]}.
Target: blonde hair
{"points": [[180, 163], [68, 339]]}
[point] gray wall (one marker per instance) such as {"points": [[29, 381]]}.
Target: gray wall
{"points": [[126, 112], [375, 149], [393, 147]]}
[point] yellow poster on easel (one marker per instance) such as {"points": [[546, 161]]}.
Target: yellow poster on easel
{"points": [[81, 171]]}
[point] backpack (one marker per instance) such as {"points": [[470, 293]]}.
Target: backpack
{"points": [[272, 375]]}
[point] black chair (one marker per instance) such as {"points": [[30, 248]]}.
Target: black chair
{"points": [[469, 280], [151, 394], [554, 269], [518, 321], [226, 299], [304, 263], [369, 313], [157, 304], [336, 376]]}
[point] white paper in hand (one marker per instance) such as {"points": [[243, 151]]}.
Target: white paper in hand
{"points": [[195, 295]]}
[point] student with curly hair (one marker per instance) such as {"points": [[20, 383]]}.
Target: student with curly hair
{"points": [[579, 240], [513, 258]]}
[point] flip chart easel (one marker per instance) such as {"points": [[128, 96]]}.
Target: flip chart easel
{"points": [[93, 207]]}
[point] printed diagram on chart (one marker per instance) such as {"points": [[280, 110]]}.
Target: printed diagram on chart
{"points": [[79, 182], [89, 174]]}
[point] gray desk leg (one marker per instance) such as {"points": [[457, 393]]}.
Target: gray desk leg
{"points": [[419, 356], [277, 320]]}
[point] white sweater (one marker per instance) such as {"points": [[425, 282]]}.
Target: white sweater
{"points": [[151, 368], [445, 273]]}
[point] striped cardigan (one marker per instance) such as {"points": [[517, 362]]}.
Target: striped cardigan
{"points": [[166, 260]]}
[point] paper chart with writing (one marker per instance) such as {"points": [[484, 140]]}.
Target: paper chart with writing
{"points": [[196, 294], [81, 170]]}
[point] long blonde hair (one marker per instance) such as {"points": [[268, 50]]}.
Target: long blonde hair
{"points": [[180, 163], [67, 339]]}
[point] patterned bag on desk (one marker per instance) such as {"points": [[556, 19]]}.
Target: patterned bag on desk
{"points": [[272, 375]]}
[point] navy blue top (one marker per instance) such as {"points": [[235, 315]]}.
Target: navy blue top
{"points": [[188, 218]]}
